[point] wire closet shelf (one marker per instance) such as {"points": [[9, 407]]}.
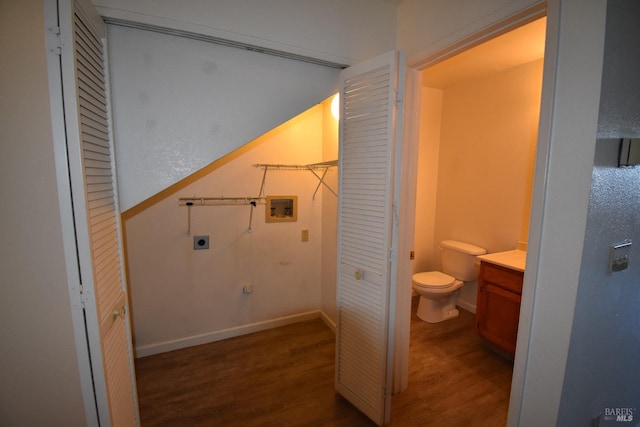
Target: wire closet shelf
{"points": [[319, 170]]}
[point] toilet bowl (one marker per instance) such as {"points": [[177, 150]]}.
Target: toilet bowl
{"points": [[438, 294], [439, 290]]}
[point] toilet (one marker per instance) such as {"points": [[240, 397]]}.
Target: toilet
{"points": [[439, 290]]}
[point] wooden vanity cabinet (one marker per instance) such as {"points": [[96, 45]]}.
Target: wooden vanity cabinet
{"points": [[498, 305]]}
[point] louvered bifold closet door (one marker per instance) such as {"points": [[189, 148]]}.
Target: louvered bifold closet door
{"points": [[102, 278], [365, 214]]}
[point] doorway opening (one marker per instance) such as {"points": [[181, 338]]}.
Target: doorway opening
{"points": [[475, 161]]}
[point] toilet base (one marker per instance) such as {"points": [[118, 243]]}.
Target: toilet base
{"points": [[435, 311]]}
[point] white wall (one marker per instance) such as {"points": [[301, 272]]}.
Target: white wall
{"points": [[427, 188], [476, 172], [181, 296], [426, 26], [340, 31], [180, 104], [487, 151], [329, 218], [39, 374]]}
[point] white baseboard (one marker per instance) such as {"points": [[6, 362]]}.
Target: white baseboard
{"points": [[467, 306], [327, 321], [162, 347]]}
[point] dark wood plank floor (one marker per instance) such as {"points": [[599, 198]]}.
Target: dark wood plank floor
{"points": [[284, 377], [454, 379]]}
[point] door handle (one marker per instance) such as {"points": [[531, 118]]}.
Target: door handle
{"points": [[358, 274], [119, 313], [118, 309]]}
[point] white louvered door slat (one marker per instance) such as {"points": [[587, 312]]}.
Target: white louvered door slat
{"points": [[96, 214], [103, 232], [367, 147]]}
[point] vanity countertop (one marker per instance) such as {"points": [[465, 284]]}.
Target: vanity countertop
{"points": [[515, 259]]}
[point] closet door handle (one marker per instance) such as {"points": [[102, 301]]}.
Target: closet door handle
{"points": [[358, 274], [119, 313]]}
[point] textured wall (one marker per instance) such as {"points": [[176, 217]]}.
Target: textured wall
{"points": [[343, 31], [620, 102], [180, 104], [602, 369]]}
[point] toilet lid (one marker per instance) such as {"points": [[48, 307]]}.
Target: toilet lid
{"points": [[434, 279]]}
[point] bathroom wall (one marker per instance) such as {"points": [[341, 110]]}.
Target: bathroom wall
{"points": [[182, 296], [485, 165], [428, 155]]}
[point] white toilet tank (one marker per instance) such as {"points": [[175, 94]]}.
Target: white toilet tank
{"points": [[459, 259]]}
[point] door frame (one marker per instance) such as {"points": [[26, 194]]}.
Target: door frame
{"points": [[568, 122], [65, 201], [416, 65], [70, 179]]}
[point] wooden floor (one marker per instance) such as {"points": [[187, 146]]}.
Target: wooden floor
{"points": [[284, 377]]}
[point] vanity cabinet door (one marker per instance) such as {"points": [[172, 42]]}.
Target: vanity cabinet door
{"points": [[498, 308]]}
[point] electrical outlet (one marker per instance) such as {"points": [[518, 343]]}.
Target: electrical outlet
{"points": [[200, 242], [305, 235]]}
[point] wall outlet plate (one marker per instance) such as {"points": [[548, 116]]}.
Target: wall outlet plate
{"points": [[200, 242]]}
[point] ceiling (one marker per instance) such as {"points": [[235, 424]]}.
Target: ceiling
{"points": [[520, 46]]}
